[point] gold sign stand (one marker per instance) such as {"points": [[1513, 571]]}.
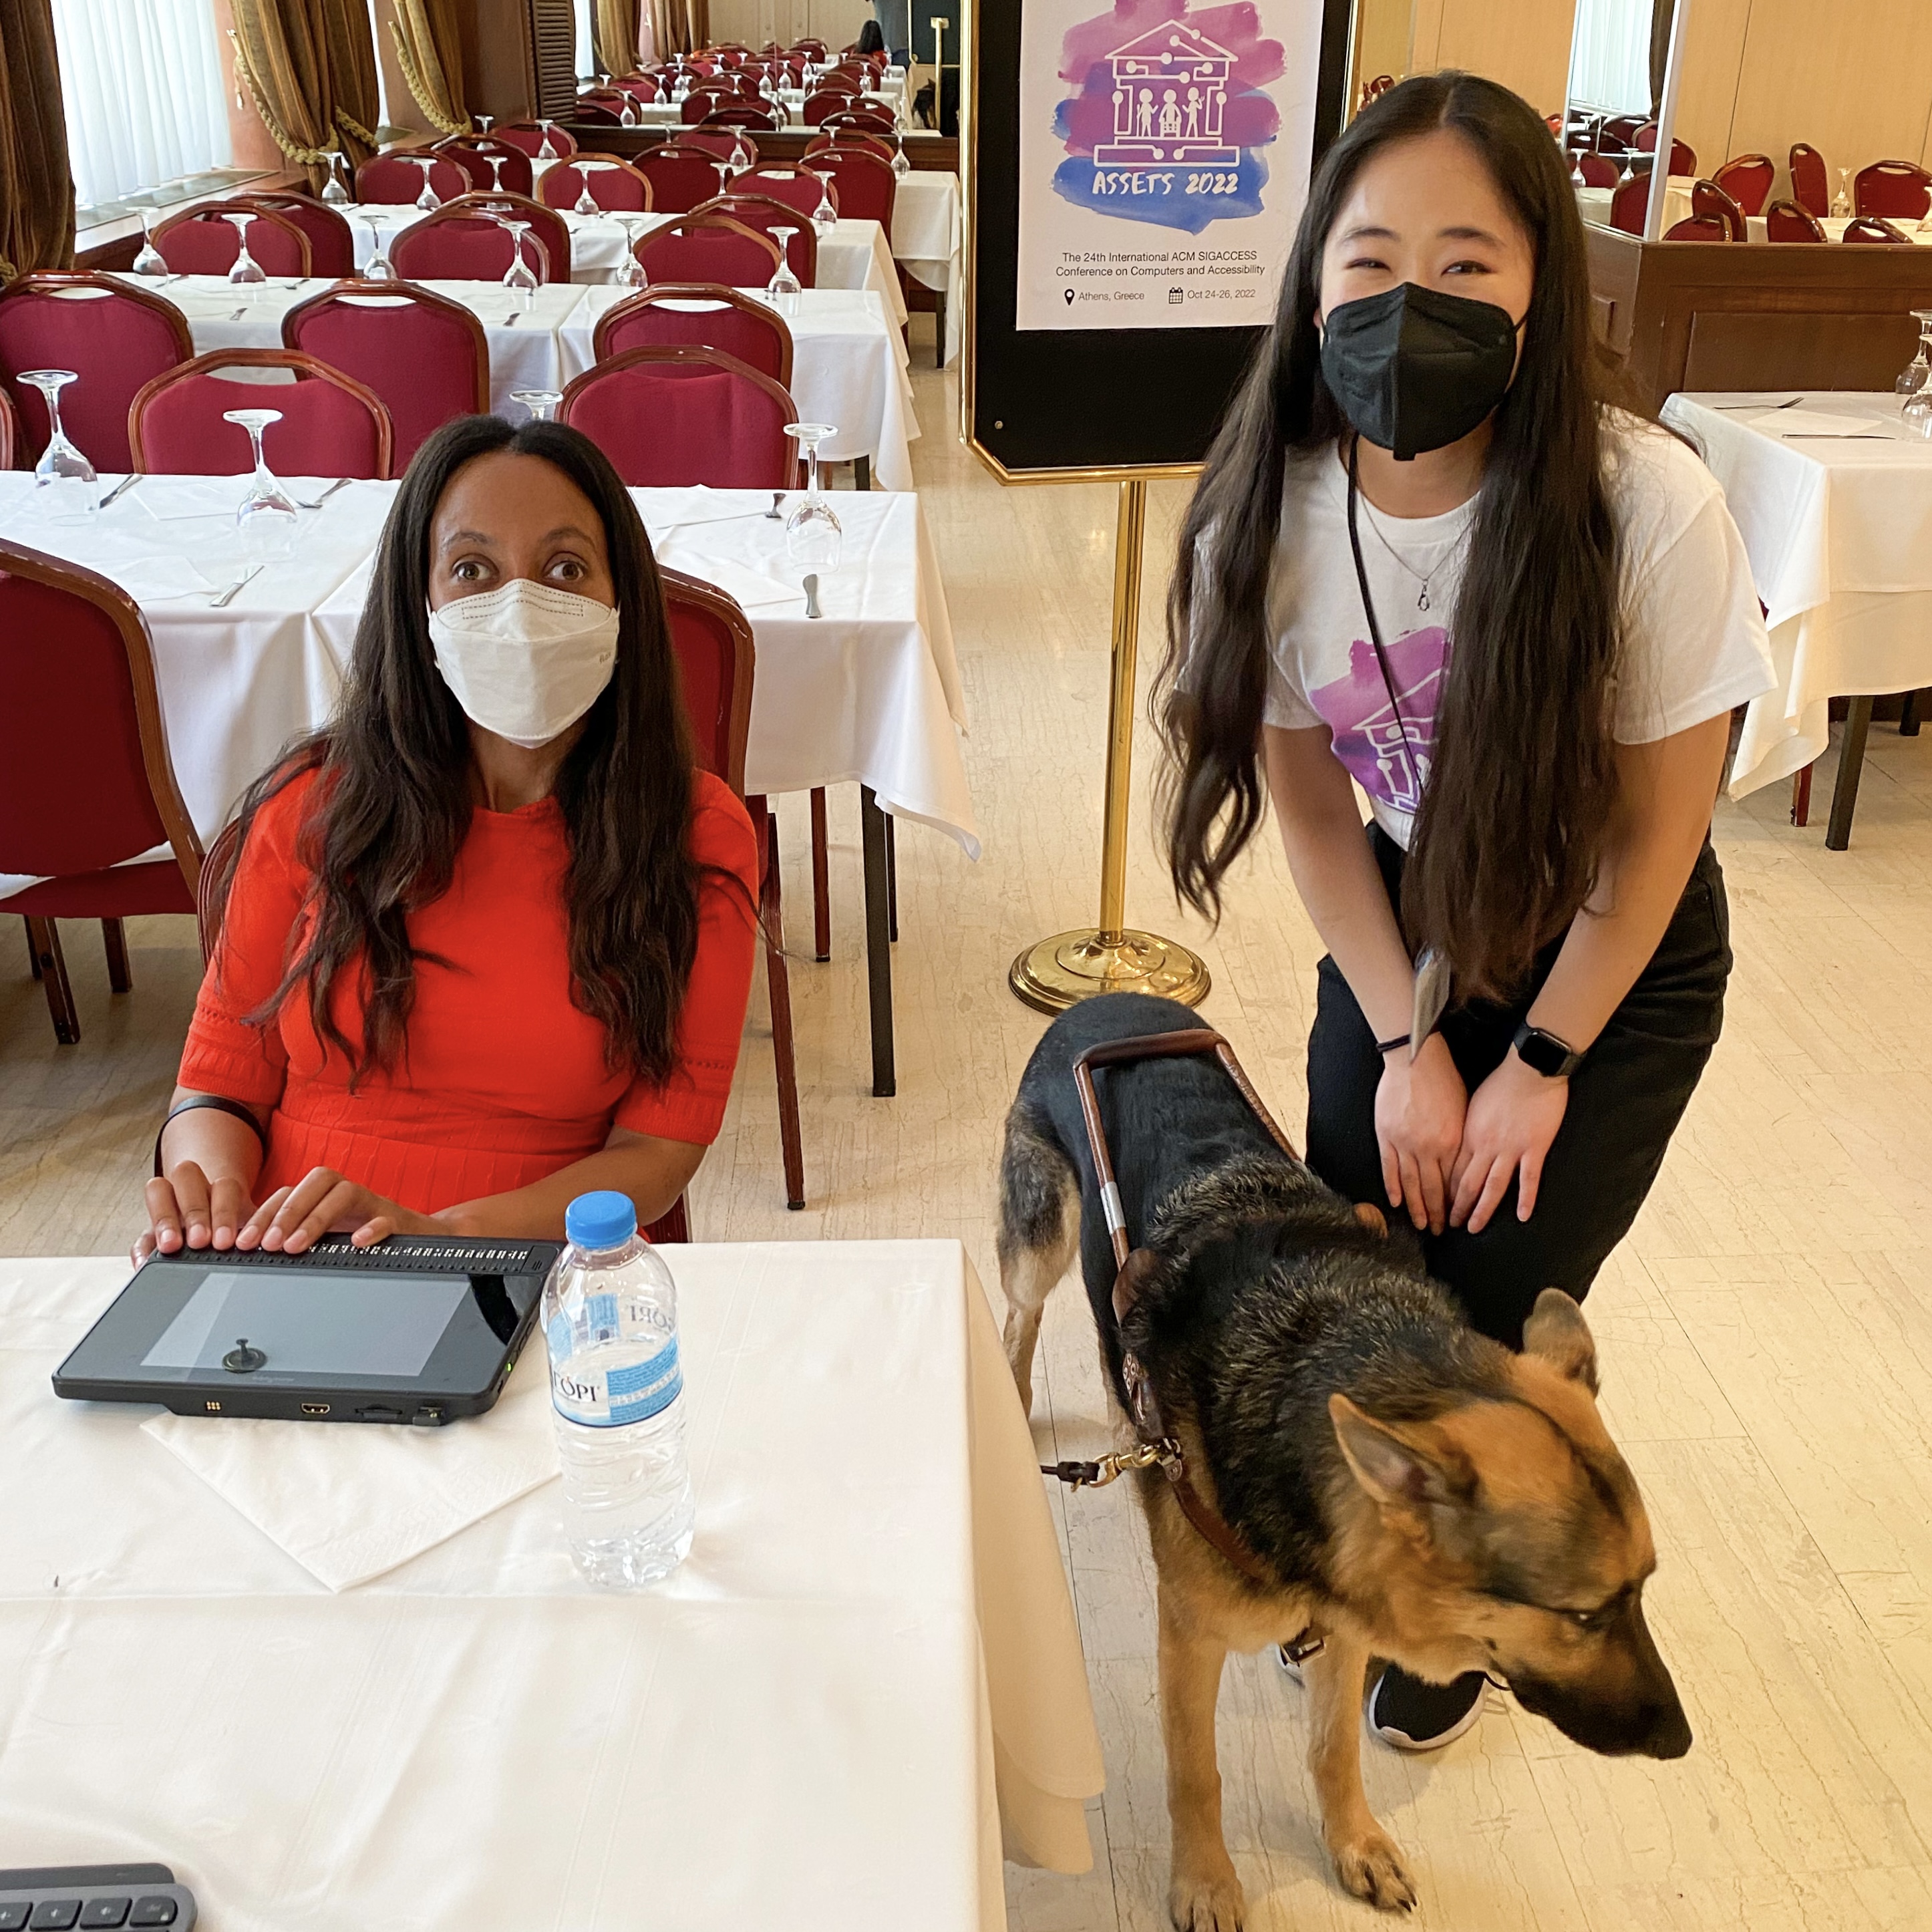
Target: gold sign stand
{"points": [[1112, 958]]}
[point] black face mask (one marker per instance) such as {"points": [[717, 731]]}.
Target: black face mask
{"points": [[1414, 369]]}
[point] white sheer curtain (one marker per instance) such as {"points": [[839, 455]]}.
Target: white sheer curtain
{"points": [[1610, 55], [142, 84]]}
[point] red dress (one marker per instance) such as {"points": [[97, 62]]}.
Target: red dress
{"points": [[501, 1081]]}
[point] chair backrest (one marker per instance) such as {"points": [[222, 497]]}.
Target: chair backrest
{"points": [[1597, 170], [767, 216], [642, 88], [821, 105], [1683, 157], [210, 895], [331, 425], [674, 416], [720, 142], [701, 248], [598, 114], [1746, 179], [1892, 188], [464, 242], [614, 183], [10, 432], [1810, 188], [680, 177], [425, 356], [860, 121], [698, 315], [1786, 221], [1629, 204], [1621, 129], [528, 135], [702, 101], [863, 185], [1707, 198], [1699, 228], [332, 244], [777, 181], [474, 154], [394, 177], [1872, 228], [874, 144], [745, 114], [716, 662], [113, 335], [202, 241], [86, 780]]}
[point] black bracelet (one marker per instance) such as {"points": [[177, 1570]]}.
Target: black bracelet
{"points": [[1389, 1045], [221, 1105]]}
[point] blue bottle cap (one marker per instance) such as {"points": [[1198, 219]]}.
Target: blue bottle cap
{"points": [[604, 1219]]}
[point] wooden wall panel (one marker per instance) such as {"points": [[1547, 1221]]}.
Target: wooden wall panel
{"points": [[1523, 43]]}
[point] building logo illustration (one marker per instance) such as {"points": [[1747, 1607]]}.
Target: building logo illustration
{"points": [[1170, 88]]}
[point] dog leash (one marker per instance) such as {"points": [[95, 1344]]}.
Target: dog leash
{"points": [[1158, 1446]]}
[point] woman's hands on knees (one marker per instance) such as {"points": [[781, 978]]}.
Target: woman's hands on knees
{"points": [[1419, 1109]]}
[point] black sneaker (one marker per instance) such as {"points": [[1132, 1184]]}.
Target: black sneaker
{"points": [[1411, 1715]]}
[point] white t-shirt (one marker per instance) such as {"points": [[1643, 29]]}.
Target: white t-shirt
{"points": [[1694, 642]]}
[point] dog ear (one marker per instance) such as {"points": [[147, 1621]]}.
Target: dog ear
{"points": [[1373, 1218], [1395, 1464], [1557, 1332]]}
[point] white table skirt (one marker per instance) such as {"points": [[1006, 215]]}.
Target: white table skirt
{"points": [[868, 1665], [848, 368], [1758, 228], [1839, 534], [871, 691]]}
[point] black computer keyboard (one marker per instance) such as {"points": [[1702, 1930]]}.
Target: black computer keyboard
{"points": [[418, 1254], [54, 1898]]}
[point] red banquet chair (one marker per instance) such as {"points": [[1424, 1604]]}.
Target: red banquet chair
{"points": [[10, 432], [1871, 228], [530, 135], [862, 185], [464, 242], [114, 337], [680, 177], [1683, 156], [860, 121], [797, 188], [425, 356], [698, 315], [202, 241], [642, 88], [596, 114], [86, 785], [331, 425], [702, 101], [1597, 170], [1746, 179], [820, 106], [716, 663], [613, 184], [670, 417], [1699, 228], [1708, 200], [1629, 203], [1902, 189], [701, 248], [871, 144], [767, 216], [719, 143], [1786, 221], [394, 179], [1811, 187], [746, 116], [488, 162], [332, 244]]}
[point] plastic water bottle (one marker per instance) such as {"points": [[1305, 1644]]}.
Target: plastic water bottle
{"points": [[610, 1317]]}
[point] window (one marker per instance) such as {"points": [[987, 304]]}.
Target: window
{"points": [[1610, 55], [587, 54], [142, 84]]}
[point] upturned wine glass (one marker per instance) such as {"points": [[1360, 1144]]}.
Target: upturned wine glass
{"points": [[630, 273], [246, 268], [902, 167], [1913, 377], [484, 122], [1917, 413], [546, 150], [1841, 202], [740, 160], [539, 402], [496, 172], [267, 516], [72, 486], [824, 217], [333, 190], [378, 267], [627, 114], [520, 278], [813, 537], [429, 201], [784, 287], [724, 175], [150, 261]]}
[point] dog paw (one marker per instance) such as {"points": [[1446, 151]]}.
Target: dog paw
{"points": [[1198, 1903], [1371, 1867]]}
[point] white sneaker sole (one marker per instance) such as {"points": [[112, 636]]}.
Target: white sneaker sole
{"points": [[1402, 1741]]}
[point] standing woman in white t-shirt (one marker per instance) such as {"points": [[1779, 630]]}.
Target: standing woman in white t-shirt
{"points": [[1426, 558]]}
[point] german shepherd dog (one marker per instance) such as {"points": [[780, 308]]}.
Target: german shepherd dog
{"points": [[1413, 1490]]}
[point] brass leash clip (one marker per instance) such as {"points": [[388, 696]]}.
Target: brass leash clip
{"points": [[1109, 1468]]}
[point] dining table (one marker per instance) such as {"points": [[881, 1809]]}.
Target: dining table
{"points": [[1757, 228], [250, 649], [341, 1675], [849, 366], [1831, 492]]}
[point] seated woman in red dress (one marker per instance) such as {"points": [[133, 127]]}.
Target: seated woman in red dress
{"points": [[489, 937]]}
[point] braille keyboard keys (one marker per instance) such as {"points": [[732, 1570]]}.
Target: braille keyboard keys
{"points": [[105, 1912], [154, 1910], [55, 1915]]}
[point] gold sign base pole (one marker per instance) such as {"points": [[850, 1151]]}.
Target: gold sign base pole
{"points": [[1112, 958]]}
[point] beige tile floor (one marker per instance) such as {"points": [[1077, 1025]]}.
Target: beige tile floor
{"points": [[1766, 1332]]}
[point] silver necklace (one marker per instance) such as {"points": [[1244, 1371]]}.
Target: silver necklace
{"points": [[1422, 597]]}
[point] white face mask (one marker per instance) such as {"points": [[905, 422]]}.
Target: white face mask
{"points": [[526, 661]]}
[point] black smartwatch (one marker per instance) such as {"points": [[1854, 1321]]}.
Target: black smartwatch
{"points": [[1543, 1053]]}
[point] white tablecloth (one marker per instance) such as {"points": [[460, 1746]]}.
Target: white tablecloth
{"points": [[868, 1665], [870, 692], [1594, 203], [848, 367], [927, 239], [1758, 228], [1840, 538]]}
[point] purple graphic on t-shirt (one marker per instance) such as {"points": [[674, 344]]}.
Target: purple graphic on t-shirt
{"points": [[1389, 760]]}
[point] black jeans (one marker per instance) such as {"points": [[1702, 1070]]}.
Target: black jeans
{"points": [[1625, 1101]]}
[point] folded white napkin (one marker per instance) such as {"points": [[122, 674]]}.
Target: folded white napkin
{"points": [[349, 1500]]}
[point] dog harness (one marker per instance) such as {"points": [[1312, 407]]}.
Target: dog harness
{"points": [[1157, 1444]]}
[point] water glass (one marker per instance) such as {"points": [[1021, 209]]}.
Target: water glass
{"points": [[246, 268], [813, 536], [267, 516], [333, 191], [72, 487], [539, 402], [378, 268], [1913, 377], [520, 278], [150, 261], [631, 275], [824, 217], [546, 151], [429, 201], [784, 287]]}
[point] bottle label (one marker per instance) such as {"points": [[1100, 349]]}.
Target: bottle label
{"points": [[601, 1398]]}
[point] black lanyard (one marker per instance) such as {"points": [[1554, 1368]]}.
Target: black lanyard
{"points": [[1369, 611]]}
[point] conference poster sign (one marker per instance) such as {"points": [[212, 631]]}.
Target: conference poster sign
{"points": [[1164, 159]]}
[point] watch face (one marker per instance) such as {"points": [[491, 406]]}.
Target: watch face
{"points": [[1542, 1052]]}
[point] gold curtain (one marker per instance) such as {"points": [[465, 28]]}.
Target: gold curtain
{"points": [[429, 48], [353, 76], [281, 61], [614, 36], [36, 190], [678, 26]]}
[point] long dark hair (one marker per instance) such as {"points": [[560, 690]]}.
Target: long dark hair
{"points": [[1523, 788], [391, 805]]}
